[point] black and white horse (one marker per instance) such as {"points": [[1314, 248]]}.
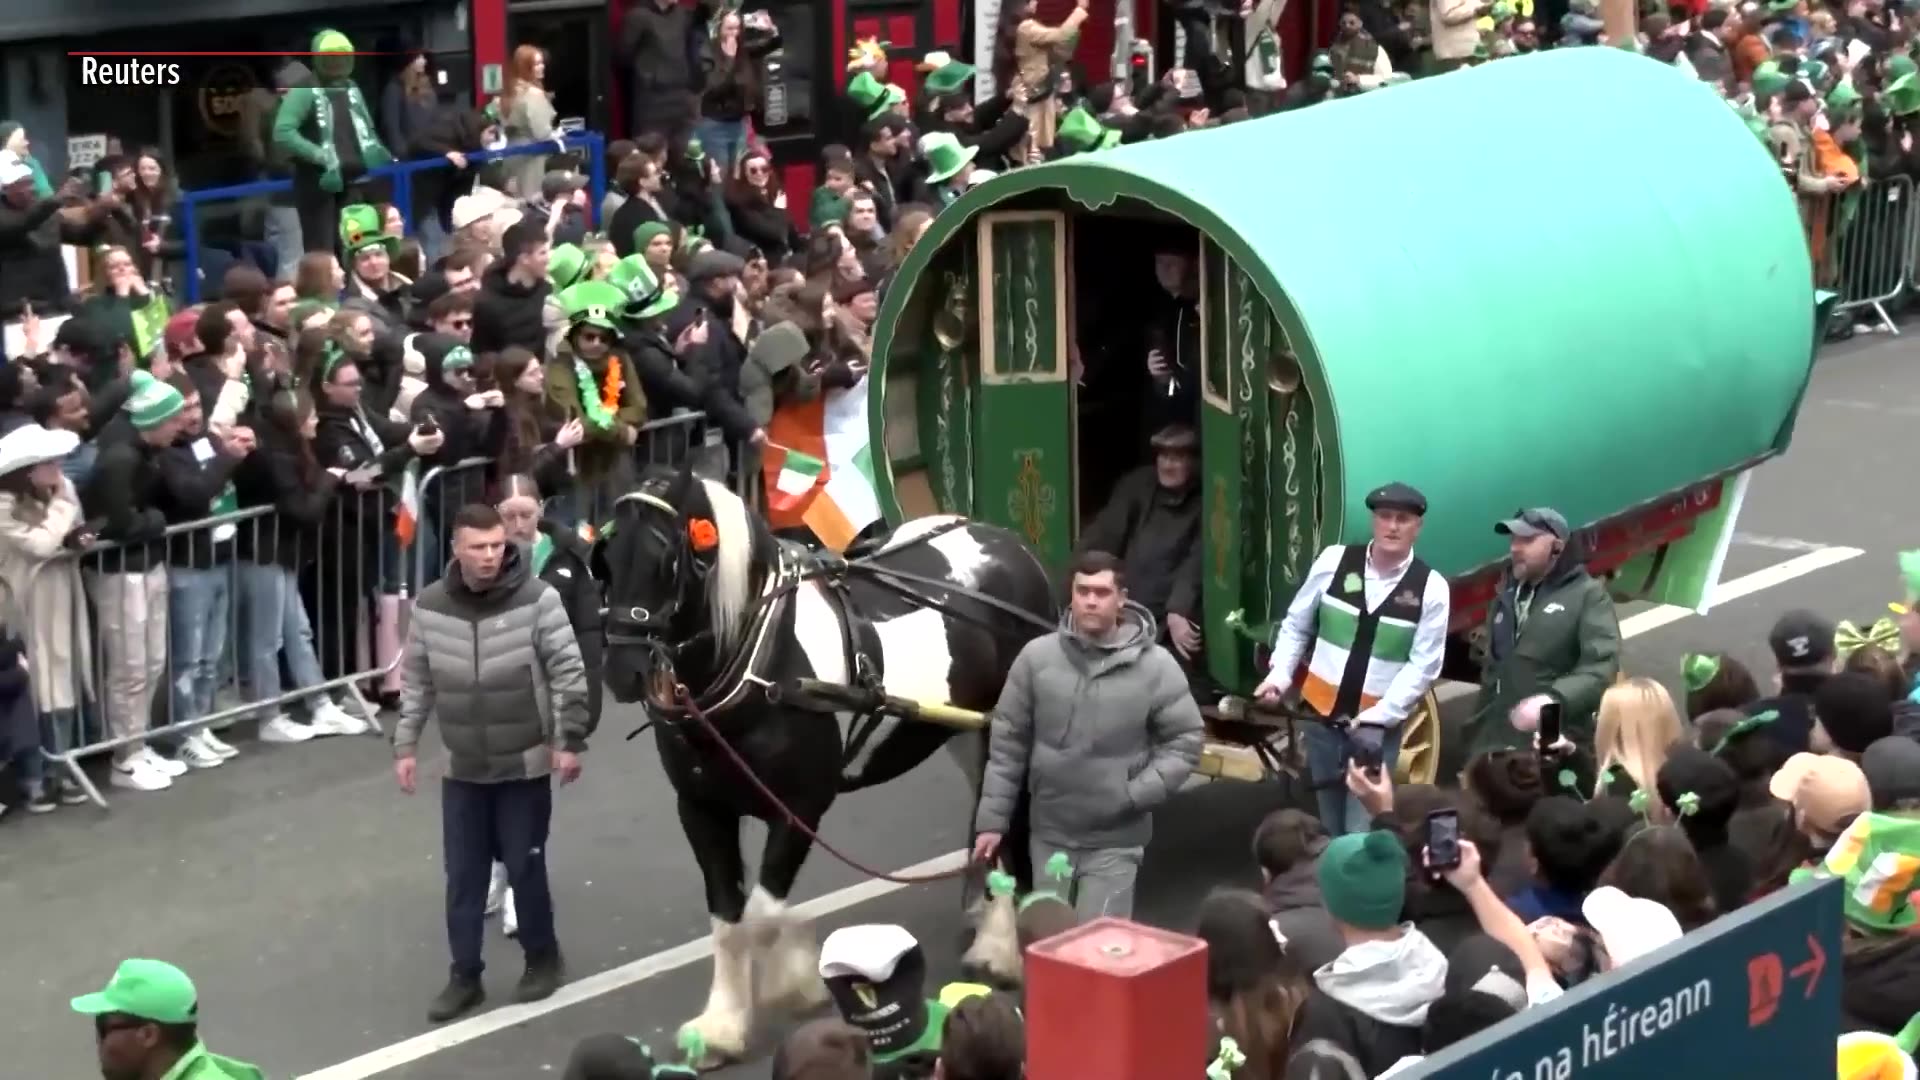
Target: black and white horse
{"points": [[701, 595]]}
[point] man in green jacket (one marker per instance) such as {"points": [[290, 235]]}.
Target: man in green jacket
{"points": [[1551, 635], [327, 133], [146, 1025]]}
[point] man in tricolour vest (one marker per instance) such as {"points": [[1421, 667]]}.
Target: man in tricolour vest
{"points": [[1370, 622]]}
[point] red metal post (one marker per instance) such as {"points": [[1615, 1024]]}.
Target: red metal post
{"points": [[1116, 1000]]}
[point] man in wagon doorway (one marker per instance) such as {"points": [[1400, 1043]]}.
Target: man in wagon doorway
{"points": [[1096, 722], [1152, 522], [1370, 621]]}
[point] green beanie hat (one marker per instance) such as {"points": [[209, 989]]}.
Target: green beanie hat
{"points": [[644, 235], [1363, 879], [152, 402]]}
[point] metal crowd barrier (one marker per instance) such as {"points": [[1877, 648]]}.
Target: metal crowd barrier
{"points": [[184, 627], [400, 174], [1864, 243]]}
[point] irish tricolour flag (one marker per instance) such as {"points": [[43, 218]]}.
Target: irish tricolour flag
{"points": [[818, 467]]}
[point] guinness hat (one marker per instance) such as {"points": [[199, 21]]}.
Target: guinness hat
{"points": [[1397, 496]]}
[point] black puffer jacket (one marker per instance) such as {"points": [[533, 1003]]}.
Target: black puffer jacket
{"points": [[506, 313], [565, 568]]}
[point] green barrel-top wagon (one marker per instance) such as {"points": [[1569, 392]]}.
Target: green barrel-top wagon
{"points": [[1572, 279]]}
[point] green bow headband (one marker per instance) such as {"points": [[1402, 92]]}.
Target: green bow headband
{"points": [[1698, 669], [1848, 638], [1751, 723]]}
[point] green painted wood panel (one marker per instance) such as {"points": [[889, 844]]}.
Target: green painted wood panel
{"points": [[1221, 542], [945, 387], [1023, 440], [1294, 477]]}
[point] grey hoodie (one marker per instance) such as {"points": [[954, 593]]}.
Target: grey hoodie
{"points": [[1099, 732]]}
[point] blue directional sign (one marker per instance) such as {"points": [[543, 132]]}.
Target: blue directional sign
{"points": [[1753, 993]]}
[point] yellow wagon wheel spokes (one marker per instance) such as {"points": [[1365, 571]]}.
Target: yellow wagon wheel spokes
{"points": [[1419, 760]]}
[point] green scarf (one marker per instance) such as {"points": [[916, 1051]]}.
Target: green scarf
{"points": [[372, 153], [542, 551]]}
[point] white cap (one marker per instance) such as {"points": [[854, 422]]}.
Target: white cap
{"points": [[1629, 926], [12, 169]]}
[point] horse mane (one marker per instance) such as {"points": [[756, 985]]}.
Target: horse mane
{"points": [[730, 589]]}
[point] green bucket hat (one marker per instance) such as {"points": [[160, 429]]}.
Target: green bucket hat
{"points": [[1879, 859], [152, 401], [1769, 80], [565, 265], [946, 158], [1814, 72], [593, 303], [643, 295], [948, 78], [361, 228], [151, 990], [1902, 95]]}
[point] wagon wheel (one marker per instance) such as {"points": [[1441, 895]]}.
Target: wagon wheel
{"points": [[1419, 760]]}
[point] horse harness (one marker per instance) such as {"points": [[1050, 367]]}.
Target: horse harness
{"points": [[796, 566]]}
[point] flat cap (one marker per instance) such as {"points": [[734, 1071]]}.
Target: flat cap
{"points": [[1397, 496], [714, 263]]}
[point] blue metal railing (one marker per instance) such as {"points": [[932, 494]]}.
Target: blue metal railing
{"points": [[401, 174]]}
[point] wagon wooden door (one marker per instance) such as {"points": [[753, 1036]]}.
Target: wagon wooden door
{"points": [[1023, 472], [1237, 338]]}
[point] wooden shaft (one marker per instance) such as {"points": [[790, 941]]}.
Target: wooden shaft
{"points": [[1622, 26]]}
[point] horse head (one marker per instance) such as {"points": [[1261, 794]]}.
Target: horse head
{"points": [[678, 564]]}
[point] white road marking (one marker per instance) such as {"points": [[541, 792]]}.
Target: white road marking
{"points": [[375, 1062], [1778, 574], [445, 1038], [1778, 543]]}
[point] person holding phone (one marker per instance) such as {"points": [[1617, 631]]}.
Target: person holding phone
{"points": [[1370, 622], [1551, 637]]}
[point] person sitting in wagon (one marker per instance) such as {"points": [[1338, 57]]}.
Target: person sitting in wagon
{"points": [[1371, 622], [1152, 522]]}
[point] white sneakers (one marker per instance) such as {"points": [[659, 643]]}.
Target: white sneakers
{"points": [[201, 751], [331, 719], [141, 771], [281, 729]]}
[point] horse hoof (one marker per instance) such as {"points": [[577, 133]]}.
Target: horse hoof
{"points": [[723, 1040], [799, 997]]}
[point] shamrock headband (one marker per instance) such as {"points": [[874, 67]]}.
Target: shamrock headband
{"points": [[1849, 638], [1750, 724], [1698, 669], [330, 357], [1229, 1059]]}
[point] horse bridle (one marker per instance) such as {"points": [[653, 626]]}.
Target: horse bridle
{"points": [[640, 627]]}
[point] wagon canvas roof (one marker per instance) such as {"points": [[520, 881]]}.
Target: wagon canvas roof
{"points": [[1570, 279]]}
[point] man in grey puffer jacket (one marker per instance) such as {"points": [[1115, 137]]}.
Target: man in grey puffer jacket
{"points": [[492, 655], [1098, 723]]}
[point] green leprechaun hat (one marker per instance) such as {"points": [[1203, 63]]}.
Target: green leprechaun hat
{"points": [[642, 294], [1080, 130], [948, 78], [946, 158], [867, 92], [593, 303], [1843, 103], [361, 228], [1902, 95], [1768, 79], [565, 265]]}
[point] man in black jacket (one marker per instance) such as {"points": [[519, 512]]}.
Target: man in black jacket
{"points": [[656, 43], [1152, 522], [513, 294], [32, 270], [129, 583]]}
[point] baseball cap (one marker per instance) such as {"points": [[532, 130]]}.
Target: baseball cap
{"points": [[1538, 521], [146, 989], [12, 169], [1801, 639], [1629, 926], [1892, 769], [1825, 790]]}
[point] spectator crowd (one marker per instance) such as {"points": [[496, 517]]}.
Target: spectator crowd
{"points": [[222, 511]]}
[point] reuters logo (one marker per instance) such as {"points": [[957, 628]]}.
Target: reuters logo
{"points": [[223, 97]]}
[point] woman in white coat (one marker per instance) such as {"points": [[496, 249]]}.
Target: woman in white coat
{"points": [[41, 598]]}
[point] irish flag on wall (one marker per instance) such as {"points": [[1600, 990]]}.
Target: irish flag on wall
{"points": [[818, 467]]}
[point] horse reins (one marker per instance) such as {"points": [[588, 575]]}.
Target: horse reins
{"points": [[693, 709]]}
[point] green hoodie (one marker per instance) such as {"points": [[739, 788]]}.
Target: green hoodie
{"points": [[326, 129]]}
